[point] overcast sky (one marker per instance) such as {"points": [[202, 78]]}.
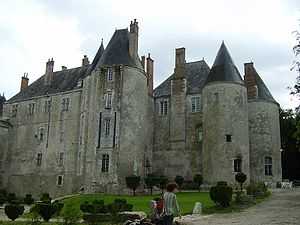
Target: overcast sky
{"points": [[31, 31]]}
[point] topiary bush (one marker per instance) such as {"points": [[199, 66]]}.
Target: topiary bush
{"points": [[162, 181], [3, 196], [47, 210], [45, 197], [257, 190], [13, 211], [179, 181], [241, 178], [11, 197], [133, 182], [28, 200], [221, 194], [150, 181], [198, 179]]}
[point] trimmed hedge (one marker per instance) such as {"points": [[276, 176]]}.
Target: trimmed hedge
{"points": [[13, 211], [221, 194]]}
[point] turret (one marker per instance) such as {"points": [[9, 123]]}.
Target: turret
{"points": [[2, 100], [225, 122], [133, 39], [49, 72]]}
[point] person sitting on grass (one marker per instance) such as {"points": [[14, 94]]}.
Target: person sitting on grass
{"points": [[171, 207]]}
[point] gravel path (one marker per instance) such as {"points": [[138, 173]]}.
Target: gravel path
{"points": [[282, 208]]}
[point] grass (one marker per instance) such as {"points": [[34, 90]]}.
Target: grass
{"points": [[186, 200]]}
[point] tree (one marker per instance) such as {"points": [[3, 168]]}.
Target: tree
{"points": [[241, 178], [150, 181], [133, 182], [28, 200], [179, 181], [162, 180], [296, 89], [198, 179], [13, 211]]}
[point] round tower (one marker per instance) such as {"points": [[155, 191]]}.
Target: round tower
{"points": [[264, 130], [225, 122]]}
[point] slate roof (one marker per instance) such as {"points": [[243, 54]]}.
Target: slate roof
{"points": [[98, 55], [223, 68], [117, 51], [196, 74], [64, 80]]}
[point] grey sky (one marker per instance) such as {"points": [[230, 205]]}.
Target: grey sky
{"points": [[32, 31]]}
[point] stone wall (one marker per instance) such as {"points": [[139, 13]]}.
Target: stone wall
{"points": [[4, 139], [224, 113], [264, 134]]}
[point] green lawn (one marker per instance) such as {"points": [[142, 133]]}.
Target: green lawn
{"points": [[186, 200]]}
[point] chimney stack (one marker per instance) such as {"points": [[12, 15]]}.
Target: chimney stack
{"points": [[179, 63], [250, 80], [49, 72], [150, 74], [143, 61], [85, 61], [24, 81], [64, 68], [133, 39]]}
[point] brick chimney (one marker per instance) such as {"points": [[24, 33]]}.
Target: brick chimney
{"points": [[24, 81], [250, 80], [85, 61], [180, 63], [149, 73], [49, 72], [133, 39], [63, 68]]}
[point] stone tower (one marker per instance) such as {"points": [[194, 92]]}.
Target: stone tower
{"points": [[264, 130], [225, 122]]}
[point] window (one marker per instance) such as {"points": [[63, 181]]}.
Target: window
{"points": [[41, 134], [109, 74], [14, 110], [107, 127], [195, 104], [31, 109], [108, 99], [237, 165], [39, 159], [61, 159], [163, 107], [105, 163], [47, 106], [60, 180], [199, 134], [268, 166], [65, 104], [228, 138]]}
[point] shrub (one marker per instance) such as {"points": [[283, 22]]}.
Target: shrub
{"points": [[28, 200], [70, 214], [221, 183], [11, 197], [241, 178], [47, 209], [151, 181], [34, 215], [45, 197], [13, 211], [198, 179], [179, 180], [133, 182], [162, 180], [257, 190], [3, 196], [221, 194]]}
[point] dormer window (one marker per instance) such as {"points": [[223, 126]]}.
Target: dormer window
{"points": [[195, 104], [109, 74], [14, 110], [108, 100], [65, 104], [31, 109], [47, 106]]}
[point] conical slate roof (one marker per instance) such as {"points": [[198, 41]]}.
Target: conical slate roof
{"points": [[98, 55], [223, 68], [117, 51]]}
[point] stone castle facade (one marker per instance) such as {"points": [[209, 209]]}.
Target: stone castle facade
{"points": [[87, 128]]}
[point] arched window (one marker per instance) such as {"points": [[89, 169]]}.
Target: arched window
{"points": [[199, 133], [237, 165], [268, 166]]}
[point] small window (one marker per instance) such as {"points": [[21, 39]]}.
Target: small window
{"points": [[60, 180], [163, 107], [108, 100], [39, 159], [199, 134], [109, 74], [14, 110], [107, 127], [105, 163], [65, 104], [47, 106], [237, 165], [195, 104], [61, 159], [268, 166], [31, 109], [41, 134], [228, 138]]}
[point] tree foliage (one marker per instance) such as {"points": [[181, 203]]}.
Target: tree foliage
{"points": [[151, 180], [198, 179], [13, 211], [179, 180], [133, 182], [241, 178]]}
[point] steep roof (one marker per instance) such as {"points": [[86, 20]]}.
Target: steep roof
{"points": [[98, 55], [117, 51], [223, 68], [63, 80], [196, 74]]}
